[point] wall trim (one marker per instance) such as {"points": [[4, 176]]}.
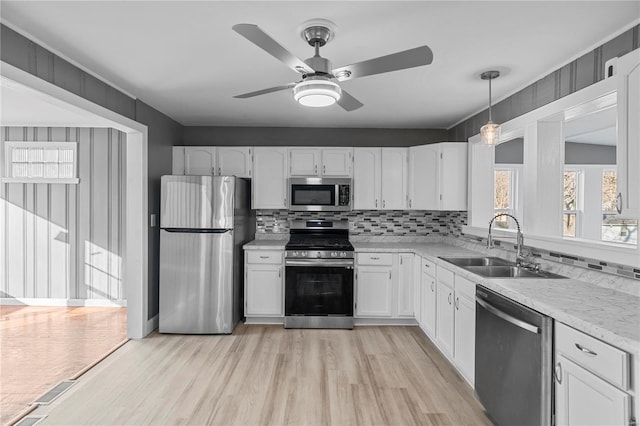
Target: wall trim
{"points": [[34, 301], [151, 325]]}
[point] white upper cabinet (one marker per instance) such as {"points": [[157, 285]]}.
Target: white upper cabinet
{"points": [[304, 162], [628, 148], [234, 161], [320, 161], [200, 160], [211, 160], [380, 178], [424, 168], [337, 161], [394, 178], [269, 183], [438, 176], [366, 178]]}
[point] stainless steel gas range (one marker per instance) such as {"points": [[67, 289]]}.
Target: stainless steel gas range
{"points": [[319, 275]]}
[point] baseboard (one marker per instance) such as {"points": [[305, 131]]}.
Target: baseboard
{"points": [[264, 320], [151, 325], [385, 321], [34, 301]]}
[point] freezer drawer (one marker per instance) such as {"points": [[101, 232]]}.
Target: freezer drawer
{"points": [[197, 292]]}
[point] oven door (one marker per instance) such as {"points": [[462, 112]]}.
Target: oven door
{"points": [[319, 288]]}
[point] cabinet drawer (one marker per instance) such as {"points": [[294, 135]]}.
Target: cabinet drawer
{"points": [[375, 259], [608, 362], [446, 276], [264, 256], [428, 267], [466, 287]]}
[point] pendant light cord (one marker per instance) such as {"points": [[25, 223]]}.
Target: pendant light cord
{"points": [[490, 98]]}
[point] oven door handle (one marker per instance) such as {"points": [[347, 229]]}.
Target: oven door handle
{"points": [[324, 263], [515, 321]]}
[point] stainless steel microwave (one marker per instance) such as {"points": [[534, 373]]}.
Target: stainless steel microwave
{"points": [[319, 194]]}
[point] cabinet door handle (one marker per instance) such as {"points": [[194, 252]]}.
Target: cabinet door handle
{"points": [[619, 203], [219, 171], [374, 258], [457, 304], [449, 298], [409, 202], [389, 275], [383, 204], [558, 373], [213, 171], [285, 201], [427, 265], [585, 350], [324, 169], [264, 257], [280, 272], [376, 203], [432, 286], [315, 169]]}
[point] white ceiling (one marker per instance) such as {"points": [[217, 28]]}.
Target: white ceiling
{"points": [[183, 58]]}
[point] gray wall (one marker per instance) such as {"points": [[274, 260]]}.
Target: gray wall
{"points": [[585, 153], [510, 152], [65, 241], [309, 136], [163, 131], [580, 73]]}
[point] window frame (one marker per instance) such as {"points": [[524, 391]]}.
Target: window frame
{"points": [[9, 162]]}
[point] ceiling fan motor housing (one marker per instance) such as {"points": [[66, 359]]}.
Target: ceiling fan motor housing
{"points": [[321, 66]]}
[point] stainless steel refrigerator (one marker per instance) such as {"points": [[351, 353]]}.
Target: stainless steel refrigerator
{"points": [[204, 222]]}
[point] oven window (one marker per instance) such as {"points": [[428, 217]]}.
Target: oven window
{"points": [[313, 195], [311, 290]]}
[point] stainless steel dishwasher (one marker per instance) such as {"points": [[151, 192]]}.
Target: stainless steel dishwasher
{"points": [[513, 374]]}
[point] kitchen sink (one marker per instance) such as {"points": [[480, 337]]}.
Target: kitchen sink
{"points": [[463, 262], [494, 267]]}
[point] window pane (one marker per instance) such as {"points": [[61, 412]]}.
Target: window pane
{"points": [[609, 191], [569, 225], [619, 230], [570, 187], [502, 190]]}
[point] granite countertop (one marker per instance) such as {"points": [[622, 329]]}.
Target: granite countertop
{"points": [[265, 245], [607, 314], [604, 313]]}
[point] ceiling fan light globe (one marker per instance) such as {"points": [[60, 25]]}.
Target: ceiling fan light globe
{"points": [[317, 93], [490, 133]]}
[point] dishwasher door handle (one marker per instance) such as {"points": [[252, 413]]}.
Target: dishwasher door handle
{"points": [[515, 321]]}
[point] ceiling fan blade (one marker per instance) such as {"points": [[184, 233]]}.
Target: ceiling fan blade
{"points": [[258, 37], [348, 102], [396, 61], [265, 91]]}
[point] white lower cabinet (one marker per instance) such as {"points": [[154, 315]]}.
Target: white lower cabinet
{"points": [[585, 372], [464, 319], [264, 284], [405, 286], [374, 291], [582, 398], [428, 298], [444, 317]]}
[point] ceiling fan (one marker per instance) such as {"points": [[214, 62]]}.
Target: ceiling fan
{"points": [[317, 87]]}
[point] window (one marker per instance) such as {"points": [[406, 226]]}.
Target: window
{"points": [[40, 162], [614, 228], [504, 198], [570, 215]]}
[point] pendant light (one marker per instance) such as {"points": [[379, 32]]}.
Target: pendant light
{"points": [[490, 132]]}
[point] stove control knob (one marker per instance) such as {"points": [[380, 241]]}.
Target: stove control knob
{"points": [[334, 254], [318, 254], [295, 254], [343, 254]]}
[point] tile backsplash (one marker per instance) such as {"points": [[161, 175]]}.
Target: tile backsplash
{"points": [[369, 222]]}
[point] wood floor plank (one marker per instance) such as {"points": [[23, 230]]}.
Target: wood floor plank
{"points": [[43, 345], [266, 375]]}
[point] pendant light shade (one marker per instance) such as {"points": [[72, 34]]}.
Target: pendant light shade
{"points": [[490, 132]]}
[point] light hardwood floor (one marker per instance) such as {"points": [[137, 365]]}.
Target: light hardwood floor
{"points": [[41, 346], [269, 375]]}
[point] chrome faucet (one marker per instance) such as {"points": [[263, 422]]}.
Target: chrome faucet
{"points": [[520, 259]]}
